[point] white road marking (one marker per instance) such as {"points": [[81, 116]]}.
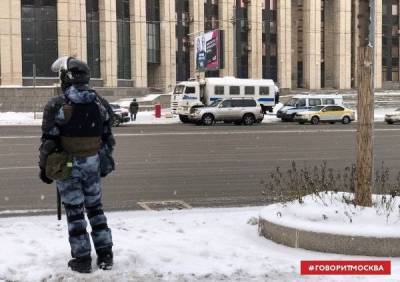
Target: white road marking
{"points": [[251, 132], [14, 212], [18, 167]]}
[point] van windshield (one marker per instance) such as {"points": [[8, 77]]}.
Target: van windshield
{"points": [[179, 89], [292, 102]]}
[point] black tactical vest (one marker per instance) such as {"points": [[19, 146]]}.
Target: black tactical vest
{"points": [[82, 120]]}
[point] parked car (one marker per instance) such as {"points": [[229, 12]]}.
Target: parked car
{"points": [[238, 110], [121, 115], [331, 114], [393, 117], [304, 102]]}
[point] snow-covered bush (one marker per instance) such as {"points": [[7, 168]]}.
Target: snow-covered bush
{"points": [[323, 184]]}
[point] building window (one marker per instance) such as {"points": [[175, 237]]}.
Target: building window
{"points": [[182, 40], [390, 41], [93, 37], [269, 39], [124, 39], [153, 31], [242, 28], [39, 37]]}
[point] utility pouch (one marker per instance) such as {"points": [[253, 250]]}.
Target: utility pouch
{"points": [[107, 164], [59, 165]]}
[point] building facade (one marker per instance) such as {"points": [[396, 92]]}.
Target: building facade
{"points": [[309, 44]]}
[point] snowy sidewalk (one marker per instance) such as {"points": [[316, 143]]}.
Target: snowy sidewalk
{"points": [[189, 245]]}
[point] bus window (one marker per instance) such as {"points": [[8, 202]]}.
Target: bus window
{"points": [[190, 90], [249, 90], [314, 102], [328, 101], [219, 90], [264, 90], [234, 90]]}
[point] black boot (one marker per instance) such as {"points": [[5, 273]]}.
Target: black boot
{"points": [[105, 258], [81, 265]]}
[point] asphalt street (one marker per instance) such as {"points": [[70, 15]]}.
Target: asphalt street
{"points": [[222, 165]]}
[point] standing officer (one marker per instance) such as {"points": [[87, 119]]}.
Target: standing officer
{"points": [[77, 124]]}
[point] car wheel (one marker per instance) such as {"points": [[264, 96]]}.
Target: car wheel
{"points": [[248, 119], [389, 122], [346, 120], [314, 120], [183, 118], [207, 119]]}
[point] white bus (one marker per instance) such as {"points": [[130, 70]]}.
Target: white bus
{"points": [[191, 94]]}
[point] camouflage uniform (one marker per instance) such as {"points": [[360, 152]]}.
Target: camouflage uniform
{"points": [[82, 189]]}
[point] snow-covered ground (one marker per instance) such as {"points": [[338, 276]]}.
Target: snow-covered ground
{"points": [[188, 245], [146, 117], [329, 213]]}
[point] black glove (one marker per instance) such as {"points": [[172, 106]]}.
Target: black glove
{"points": [[43, 177]]}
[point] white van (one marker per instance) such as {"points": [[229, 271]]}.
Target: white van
{"points": [[299, 103]]}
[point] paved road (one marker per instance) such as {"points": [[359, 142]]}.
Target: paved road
{"points": [[203, 166]]}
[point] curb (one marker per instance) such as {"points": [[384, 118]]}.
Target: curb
{"points": [[329, 243]]}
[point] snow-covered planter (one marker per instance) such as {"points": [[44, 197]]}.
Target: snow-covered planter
{"points": [[330, 222]]}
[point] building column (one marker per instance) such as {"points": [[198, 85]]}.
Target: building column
{"points": [[108, 42], [284, 30], [255, 38], [226, 12], [138, 42], [312, 44], [378, 45], [329, 33], [167, 68], [71, 28], [196, 27], [10, 42], [342, 44], [296, 22]]}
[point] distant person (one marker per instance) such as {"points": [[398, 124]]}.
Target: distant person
{"points": [[133, 109]]}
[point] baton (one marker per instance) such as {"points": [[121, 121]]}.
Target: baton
{"points": [[58, 205]]}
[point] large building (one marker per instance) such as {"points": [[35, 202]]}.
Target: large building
{"points": [[308, 44]]}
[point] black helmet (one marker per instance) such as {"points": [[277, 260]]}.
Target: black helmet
{"points": [[71, 71]]}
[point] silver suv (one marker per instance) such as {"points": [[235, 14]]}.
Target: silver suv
{"points": [[238, 110]]}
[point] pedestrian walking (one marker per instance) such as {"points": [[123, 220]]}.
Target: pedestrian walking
{"points": [[133, 109], [76, 150]]}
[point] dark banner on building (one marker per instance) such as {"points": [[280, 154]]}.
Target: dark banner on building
{"points": [[207, 51]]}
